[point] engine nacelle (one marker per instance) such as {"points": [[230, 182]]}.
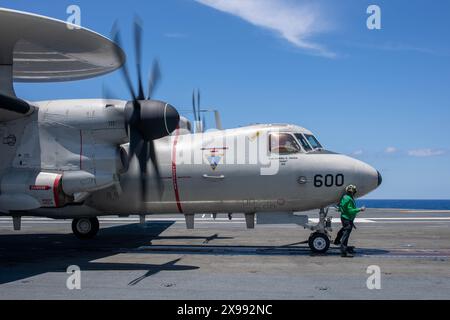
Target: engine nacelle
{"points": [[74, 182], [28, 190]]}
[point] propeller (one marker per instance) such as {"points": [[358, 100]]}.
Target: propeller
{"points": [[197, 111], [194, 107], [146, 120], [199, 119]]}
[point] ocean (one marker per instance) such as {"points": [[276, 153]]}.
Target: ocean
{"points": [[405, 204]]}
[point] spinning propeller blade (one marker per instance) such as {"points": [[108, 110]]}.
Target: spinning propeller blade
{"points": [[147, 120]]}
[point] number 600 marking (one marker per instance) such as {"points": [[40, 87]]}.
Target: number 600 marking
{"points": [[329, 180]]}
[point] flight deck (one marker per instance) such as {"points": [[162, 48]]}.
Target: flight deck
{"points": [[220, 259]]}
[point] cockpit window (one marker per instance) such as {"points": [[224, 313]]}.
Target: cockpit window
{"points": [[313, 141], [303, 142], [283, 143]]}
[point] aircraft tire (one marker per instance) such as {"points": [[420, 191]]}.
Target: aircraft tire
{"points": [[85, 228], [319, 242]]}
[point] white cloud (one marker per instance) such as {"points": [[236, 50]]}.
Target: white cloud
{"points": [[358, 153], [292, 21], [390, 150], [425, 153]]}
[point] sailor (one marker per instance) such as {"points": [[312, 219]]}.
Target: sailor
{"points": [[349, 211]]}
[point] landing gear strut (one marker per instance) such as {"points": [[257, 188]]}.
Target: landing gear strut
{"points": [[319, 241], [85, 228]]}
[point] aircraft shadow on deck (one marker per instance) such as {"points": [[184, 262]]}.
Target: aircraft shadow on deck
{"points": [[241, 250], [206, 239], [26, 255]]}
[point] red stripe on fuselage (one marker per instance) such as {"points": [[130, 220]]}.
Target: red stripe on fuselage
{"points": [[81, 150], [174, 171], [55, 191]]}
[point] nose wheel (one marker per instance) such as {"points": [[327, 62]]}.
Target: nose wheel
{"points": [[85, 228], [319, 242]]}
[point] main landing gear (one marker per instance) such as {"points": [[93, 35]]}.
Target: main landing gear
{"points": [[85, 228], [319, 241]]}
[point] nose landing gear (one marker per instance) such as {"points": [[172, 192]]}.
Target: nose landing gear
{"points": [[319, 241]]}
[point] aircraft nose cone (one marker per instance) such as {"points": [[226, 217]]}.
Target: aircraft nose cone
{"points": [[380, 178], [366, 178]]}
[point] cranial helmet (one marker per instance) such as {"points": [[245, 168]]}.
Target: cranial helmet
{"points": [[351, 189]]}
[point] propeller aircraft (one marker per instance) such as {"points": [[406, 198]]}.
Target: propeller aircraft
{"points": [[81, 159]]}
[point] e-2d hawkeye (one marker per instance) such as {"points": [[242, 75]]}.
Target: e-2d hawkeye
{"points": [[81, 159]]}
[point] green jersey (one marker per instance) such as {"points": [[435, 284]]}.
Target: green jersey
{"points": [[347, 208]]}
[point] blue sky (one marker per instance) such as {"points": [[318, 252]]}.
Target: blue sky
{"points": [[382, 96]]}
